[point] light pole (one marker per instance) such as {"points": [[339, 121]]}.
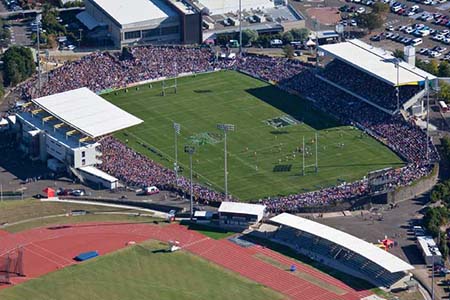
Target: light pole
{"points": [[397, 88], [240, 27], [176, 127], [225, 128], [38, 22], [427, 86], [190, 150], [79, 40]]}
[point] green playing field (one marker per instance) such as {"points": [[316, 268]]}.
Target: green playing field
{"points": [[141, 272], [265, 156]]}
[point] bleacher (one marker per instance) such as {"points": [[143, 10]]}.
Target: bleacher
{"points": [[336, 255], [366, 86]]}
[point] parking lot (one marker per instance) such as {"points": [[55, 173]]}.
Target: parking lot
{"points": [[425, 26]]}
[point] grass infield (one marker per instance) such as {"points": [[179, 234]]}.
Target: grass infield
{"points": [[264, 157], [141, 272]]}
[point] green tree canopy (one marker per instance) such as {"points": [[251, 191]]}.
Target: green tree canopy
{"points": [[288, 37], [370, 21], [249, 36], [299, 34], [380, 8], [19, 65]]}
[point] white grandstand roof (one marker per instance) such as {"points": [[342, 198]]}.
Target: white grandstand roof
{"points": [[87, 112], [376, 61], [242, 208], [135, 11], [371, 252]]}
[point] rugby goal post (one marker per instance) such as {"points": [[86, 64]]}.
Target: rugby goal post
{"points": [[11, 265], [165, 87]]}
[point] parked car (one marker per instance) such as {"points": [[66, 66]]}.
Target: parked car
{"points": [[147, 191], [78, 193]]}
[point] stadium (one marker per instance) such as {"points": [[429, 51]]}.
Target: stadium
{"points": [[298, 137]]}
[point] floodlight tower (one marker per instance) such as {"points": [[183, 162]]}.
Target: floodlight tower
{"points": [[397, 88], [189, 149], [225, 128], [427, 86], [38, 22], [177, 128]]}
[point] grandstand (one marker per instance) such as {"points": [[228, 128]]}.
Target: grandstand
{"points": [[340, 250], [67, 126], [378, 78]]}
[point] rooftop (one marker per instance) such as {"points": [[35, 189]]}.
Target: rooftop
{"points": [[242, 208], [87, 112], [369, 251], [135, 11], [376, 61]]}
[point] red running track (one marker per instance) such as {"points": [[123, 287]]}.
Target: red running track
{"points": [[49, 249]]}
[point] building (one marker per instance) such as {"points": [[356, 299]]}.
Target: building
{"points": [[429, 250], [340, 250], [144, 21], [381, 65], [66, 127], [243, 215]]}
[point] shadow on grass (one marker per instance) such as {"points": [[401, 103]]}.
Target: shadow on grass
{"points": [[213, 232], [357, 284], [299, 108]]}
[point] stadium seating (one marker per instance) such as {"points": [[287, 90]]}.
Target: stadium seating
{"points": [[322, 250]]}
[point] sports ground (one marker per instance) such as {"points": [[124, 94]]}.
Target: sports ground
{"points": [[204, 269], [265, 151]]}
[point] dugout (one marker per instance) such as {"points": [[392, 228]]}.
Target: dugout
{"points": [[244, 215]]}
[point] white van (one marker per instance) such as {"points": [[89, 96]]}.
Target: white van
{"points": [[416, 42], [276, 43]]}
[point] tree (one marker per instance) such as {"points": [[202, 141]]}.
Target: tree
{"points": [[288, 51], [380, 8], [430, 67], [398, 53], [370, 21], [249, 36], [299, 34], [287, 37], [434, 218], [444, 93], [19, 65], [444, 69], [443, 246]]}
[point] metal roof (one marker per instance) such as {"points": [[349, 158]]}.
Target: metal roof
{"points": [[371, 252], [98, 173], [87, 112], [376, 61], [135, 11], [242, 208]]}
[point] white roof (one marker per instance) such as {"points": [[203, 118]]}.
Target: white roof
{"points": [[135, 11], [425, 243], [371, 252], [99, 173], [379, 62], [242, 208], [87, 112], [217, 7]]}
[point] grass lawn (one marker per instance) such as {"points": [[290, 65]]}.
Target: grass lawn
{"points": [[18, 210], [212, 232], [141, 272], [264, 160]]}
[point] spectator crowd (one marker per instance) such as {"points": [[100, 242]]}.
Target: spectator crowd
{"points": [[102, 70]]}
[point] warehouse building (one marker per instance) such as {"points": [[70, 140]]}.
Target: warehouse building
{"points": [[144, 21]]}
